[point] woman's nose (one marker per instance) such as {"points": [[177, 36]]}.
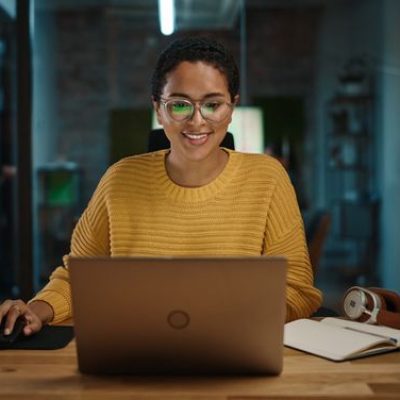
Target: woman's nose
{"points": [[197, 117]]}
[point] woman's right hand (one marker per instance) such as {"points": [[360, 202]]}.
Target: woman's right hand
{"points": [[35, 314]]}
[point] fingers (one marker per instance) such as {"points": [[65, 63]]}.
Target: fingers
{"points": [[33, 323], [10, 310]]}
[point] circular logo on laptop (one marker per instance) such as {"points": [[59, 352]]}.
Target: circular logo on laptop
{"points": [[178, 319]]}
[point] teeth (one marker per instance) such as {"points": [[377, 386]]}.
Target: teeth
{"points": [[195, 137]]}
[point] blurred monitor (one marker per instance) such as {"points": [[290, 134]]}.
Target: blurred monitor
{"points": [[60, 185]]}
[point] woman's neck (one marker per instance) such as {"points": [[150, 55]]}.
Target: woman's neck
{"points": [[195, 173]]}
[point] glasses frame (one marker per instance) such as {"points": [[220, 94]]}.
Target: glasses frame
{"points": [[196, 104]]}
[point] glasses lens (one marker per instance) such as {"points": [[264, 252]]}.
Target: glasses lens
{"points": [[215, 111], [179, 110]]}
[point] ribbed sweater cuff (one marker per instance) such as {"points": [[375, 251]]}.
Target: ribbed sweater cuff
{"points": [[60, 305]]}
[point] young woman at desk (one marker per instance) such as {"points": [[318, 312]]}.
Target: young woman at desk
{"points": [[195, 198]]}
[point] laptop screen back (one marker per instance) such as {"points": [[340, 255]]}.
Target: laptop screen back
{"points": [[179, 315]]}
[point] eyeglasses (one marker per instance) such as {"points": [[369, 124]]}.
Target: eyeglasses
{"points": [[181, 110]]}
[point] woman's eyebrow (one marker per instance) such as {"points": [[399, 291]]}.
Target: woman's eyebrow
{"points": [[216, 94], [207, 96]]}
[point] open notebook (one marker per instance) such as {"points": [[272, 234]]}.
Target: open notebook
{"points": [[339, 339]]}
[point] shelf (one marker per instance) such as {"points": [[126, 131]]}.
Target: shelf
{"points": [[348, 135], [350, 175], [350, 168], [350, 100]]}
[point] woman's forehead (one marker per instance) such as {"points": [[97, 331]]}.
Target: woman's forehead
{"points": [[195, 79]]}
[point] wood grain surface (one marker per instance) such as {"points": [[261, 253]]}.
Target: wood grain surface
{"points": [[53, 374]]}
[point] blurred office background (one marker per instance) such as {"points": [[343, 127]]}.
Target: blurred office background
{"points": [[320, 90]]}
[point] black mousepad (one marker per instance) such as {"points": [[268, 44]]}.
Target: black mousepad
{"points": [[48, 338]]}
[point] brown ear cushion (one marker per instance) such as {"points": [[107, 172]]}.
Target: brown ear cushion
{"points": [[392, 298], [390, 312]]}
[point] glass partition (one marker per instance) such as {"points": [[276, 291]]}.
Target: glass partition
{"points": [[305, 67]]}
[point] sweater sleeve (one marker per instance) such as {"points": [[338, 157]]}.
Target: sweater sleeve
{"points": [[285, 236], [89, 238]]}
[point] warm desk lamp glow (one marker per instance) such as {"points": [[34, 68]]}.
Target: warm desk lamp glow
{"points": [[166, 13]]}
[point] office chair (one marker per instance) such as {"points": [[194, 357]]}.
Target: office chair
{"points": [[317, 233], [159, 141]]}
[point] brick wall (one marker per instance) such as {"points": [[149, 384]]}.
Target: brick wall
{"points": [[105, 62]]}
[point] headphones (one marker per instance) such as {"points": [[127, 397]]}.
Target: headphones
{"points": [[372, 306]]}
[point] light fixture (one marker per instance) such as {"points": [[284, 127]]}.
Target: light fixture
{"points": [[166, 13], [247, 129]]}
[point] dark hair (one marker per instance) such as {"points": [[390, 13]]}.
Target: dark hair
{"points": [[194, 49]]}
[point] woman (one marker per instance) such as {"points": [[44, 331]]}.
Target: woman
{"points": [[194, 199]]}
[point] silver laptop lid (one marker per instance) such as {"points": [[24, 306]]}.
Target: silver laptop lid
{"points": [[179, 315]]}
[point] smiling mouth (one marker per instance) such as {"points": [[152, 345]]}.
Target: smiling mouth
{"points": [[196, 136], [196, 139]]}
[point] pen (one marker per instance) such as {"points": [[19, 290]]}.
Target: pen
{"points": [[373, 334]]}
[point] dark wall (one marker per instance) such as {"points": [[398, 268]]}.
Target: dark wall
{"points": [[105, 63]]}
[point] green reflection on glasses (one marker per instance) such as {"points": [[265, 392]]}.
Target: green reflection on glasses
{"points": [[181, 110]]}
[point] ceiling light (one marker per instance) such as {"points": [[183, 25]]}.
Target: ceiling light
{"points": [[166, 13]]}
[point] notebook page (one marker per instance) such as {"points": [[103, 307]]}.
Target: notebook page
{"points": [[330, 341], [360, 326]]}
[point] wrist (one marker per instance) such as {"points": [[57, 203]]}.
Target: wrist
{"points": [[43, 310]]}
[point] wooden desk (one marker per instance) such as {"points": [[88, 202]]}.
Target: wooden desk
{"points": [[53, 374]]}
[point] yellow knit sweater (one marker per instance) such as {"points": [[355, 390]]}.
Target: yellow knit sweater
{"points": [[136, 210]]}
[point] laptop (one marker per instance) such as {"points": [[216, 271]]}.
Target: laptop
{"points": [[220, 315]]}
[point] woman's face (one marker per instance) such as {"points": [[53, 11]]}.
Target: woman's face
{"points": [[195, 138]]}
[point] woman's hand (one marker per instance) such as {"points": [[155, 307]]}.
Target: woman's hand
{"points": [[36, 314]]}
